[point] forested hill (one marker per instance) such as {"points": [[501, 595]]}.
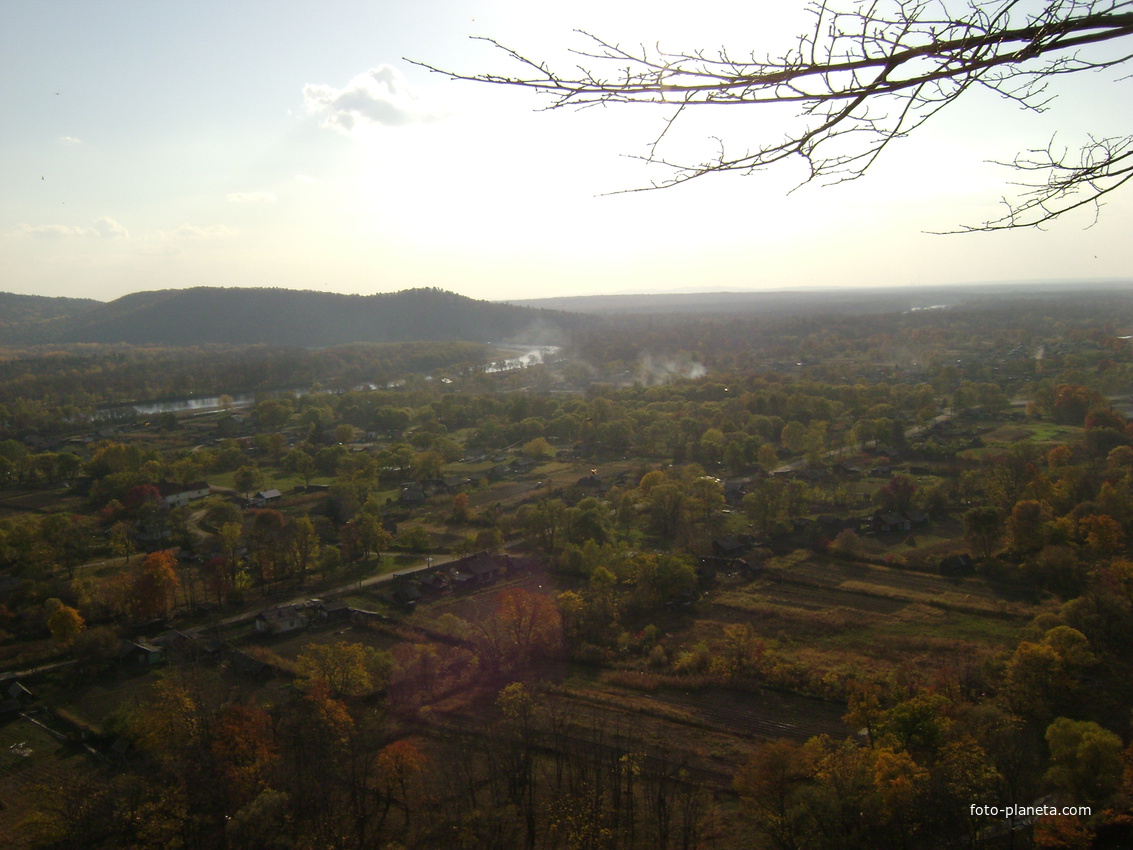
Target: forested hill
{"points": [[237, 316], [25, 318]]}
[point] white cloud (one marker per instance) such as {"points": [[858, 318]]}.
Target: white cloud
{"points": [[51, 231], [251, 198], [108, 228], [191, 231], [303, 178], [104, 228], [379, 96], [70, 141]]}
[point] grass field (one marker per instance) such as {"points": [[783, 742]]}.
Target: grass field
{"points": [[845, 617]]}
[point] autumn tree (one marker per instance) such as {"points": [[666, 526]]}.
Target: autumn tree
{"points": [[526, 626], [244, 748], [346, 669], [64, 622], [153, 584], [400, 766], [897, 494]]}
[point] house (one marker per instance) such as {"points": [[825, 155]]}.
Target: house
{"points": [[331, 611], [432, 486], [412, 494], [483, 565], [523, 464], [434, 584], [461, 582], [729, 547], [475, 570], [178, 495], [139, 652], [916, 518], [266, 497], [885, 523], [406, 595], [281, 620]]}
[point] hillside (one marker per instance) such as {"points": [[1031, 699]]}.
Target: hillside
{"points": [[28, 318], [238, 316]]}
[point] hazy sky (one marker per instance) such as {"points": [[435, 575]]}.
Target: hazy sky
{"points": [[149, 144]]}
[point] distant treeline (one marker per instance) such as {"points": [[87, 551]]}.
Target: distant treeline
{"points": [[45, 388], [902, 336]]}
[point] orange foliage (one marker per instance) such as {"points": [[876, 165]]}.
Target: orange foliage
{"points": [[244, 751], [153, 584]]}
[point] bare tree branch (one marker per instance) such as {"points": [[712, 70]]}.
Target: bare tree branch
{"points": [[861, 79]]}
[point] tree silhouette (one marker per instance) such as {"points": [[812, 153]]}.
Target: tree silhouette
{"points": [[864, 76]]}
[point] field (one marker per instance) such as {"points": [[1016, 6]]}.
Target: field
{"points": [[854, 617], [31, 759]]}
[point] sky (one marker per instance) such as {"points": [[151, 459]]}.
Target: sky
{"points": [[161, 145]]}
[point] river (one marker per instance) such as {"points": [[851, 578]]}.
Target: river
{"points": [[525, 356]]}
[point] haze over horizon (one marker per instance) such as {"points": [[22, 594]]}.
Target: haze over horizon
{"points": [[151, 146]]}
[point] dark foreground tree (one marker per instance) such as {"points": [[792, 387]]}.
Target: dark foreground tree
{"points": [[866, 75]]}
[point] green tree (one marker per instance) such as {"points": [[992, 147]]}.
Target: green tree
{"points": [[246, 478], [1085, 760], [539, 449]]}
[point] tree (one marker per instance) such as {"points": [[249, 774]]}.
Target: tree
{"points": [[1085, 760], [539, 449], [525, 626], [897, 494], [863, 77], [64, 622], [245, 478], [982, 526], [153, 584], [346, 669], [244, 750], [1026, 526]]}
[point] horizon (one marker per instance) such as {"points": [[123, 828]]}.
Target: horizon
{"points": [[1093, 284], [304, 151]]}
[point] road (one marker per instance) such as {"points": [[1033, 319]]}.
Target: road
{"points": [[350, 587]]}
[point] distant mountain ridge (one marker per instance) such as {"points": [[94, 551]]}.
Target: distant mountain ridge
{"points": [[816, 299], [238, 316], [25, 317]]}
